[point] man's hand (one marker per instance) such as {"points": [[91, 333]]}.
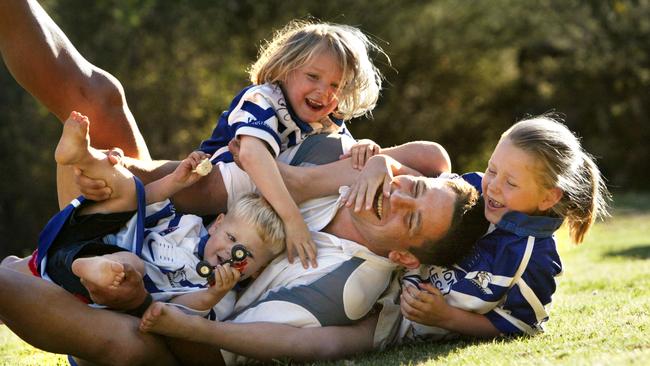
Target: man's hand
{"points": [[360, 153]]}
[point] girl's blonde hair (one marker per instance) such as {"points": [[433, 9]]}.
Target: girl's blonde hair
{"points": [[257, 212], [300, 41], [564, 164]]}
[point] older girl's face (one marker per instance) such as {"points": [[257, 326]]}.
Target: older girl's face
{"points": [[511, 183], [311, 88]]}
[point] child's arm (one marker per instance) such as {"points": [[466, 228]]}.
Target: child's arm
{"points": [[263, 170], [225, 278], [430, 308], [183, 176]]}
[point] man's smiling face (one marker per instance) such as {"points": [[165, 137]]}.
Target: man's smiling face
{"points": [[418, 209]]}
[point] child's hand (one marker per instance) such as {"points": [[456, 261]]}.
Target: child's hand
{"points": [[426, 307], [376, 173], [185, 173], [299, 241], [361, 152], [225, 278]]}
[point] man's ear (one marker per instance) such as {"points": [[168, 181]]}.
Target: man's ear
{"points": [[551, 198], [404, 258], [213, 226]]}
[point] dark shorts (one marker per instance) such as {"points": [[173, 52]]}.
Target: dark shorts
{"points": [[81, 236]]}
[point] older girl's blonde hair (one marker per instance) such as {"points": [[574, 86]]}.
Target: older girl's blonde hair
{"points": [[257, 212], [300, 41], [564, 164]]}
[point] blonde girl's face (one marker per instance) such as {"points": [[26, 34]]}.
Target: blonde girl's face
{"points": [[511, 183], [311, 88], [228, 230]]}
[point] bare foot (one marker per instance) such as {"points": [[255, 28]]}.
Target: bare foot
{"points": [[75, 141], [168, 320], [99, 271], [129, 295]]}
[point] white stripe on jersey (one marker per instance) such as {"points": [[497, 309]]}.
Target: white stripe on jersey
{"points": [[533, 301], [516, 322], [470, 303]]}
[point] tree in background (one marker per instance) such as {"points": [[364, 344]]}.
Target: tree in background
{"points": [[461, 73]]}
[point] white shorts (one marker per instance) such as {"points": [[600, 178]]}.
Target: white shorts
{"points": [[236, 181]]}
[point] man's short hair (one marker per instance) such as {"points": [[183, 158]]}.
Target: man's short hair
{"points": [[468, 224]]}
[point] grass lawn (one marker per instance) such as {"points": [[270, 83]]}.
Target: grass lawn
{"points": [[600, 313]]}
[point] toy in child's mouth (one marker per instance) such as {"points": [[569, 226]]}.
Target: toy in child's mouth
{"points": [[238, 255]]}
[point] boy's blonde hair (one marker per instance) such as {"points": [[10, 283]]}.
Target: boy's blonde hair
{"points": [[256, 211], [299, 41], [564, 164]]}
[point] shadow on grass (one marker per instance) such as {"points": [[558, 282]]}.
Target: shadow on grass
{"points": [[412, 353], [641, 251]]}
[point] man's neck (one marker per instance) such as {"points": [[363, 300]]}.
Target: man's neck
{"points": [[343, 227]]}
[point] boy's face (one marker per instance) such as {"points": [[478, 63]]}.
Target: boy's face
{"points": [[511, 183], [228, 230], [311, 88]]}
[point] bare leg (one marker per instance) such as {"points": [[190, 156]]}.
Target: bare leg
{"points": [[44, 62], [263, 341], [51, 319], [106, 270], [17, 264], [47, 65]]}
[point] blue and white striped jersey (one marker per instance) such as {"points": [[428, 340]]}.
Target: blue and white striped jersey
{"points": [[170, 244], [262, 111], [509, 278]]}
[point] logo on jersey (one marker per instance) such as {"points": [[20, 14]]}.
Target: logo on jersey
{"points": [[442, 278], [177, 278], [481, 279]]}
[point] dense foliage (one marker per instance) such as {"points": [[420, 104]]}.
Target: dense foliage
{"points": [[461, 72]]}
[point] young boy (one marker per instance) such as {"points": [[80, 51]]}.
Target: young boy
{"points": [[88, 244]]}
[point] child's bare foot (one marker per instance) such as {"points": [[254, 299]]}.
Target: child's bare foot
{"points": [[168, 320], [99, 271], [75, 141]]}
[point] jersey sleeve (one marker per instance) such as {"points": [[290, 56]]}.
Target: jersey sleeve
{"points": [[524, 309], [255, 116]]}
